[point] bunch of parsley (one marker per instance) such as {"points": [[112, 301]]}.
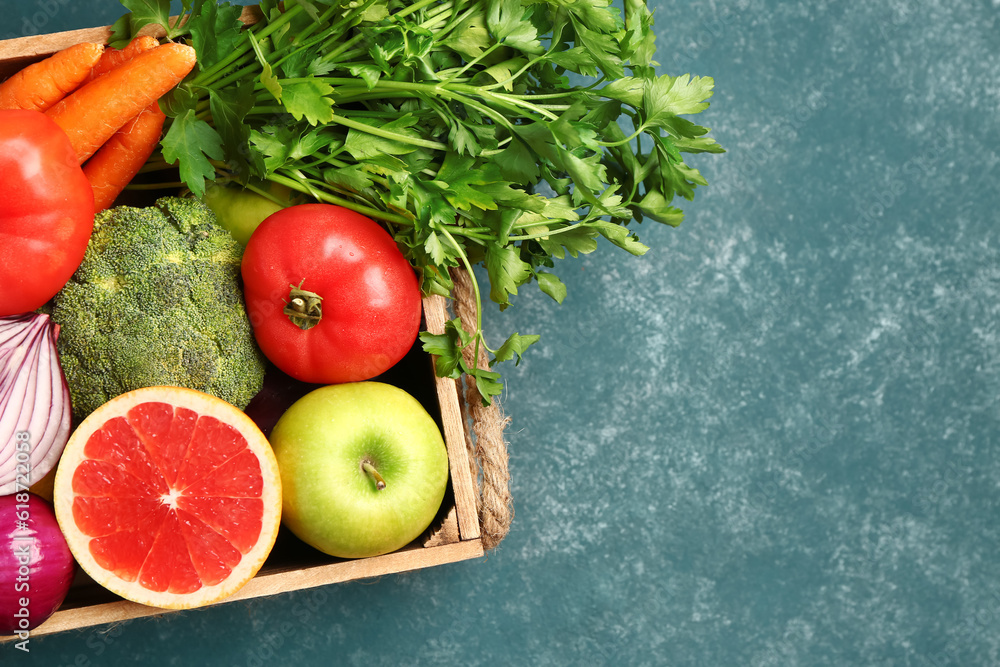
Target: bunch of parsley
{"points": [[500, 133]]}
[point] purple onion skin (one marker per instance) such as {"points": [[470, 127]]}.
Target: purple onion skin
{"points": [[50, 567]]}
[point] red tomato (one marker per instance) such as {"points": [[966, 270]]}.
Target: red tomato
{"points": [[46, 210], [369, 313]]}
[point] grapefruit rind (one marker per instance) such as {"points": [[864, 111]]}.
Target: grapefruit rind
{"points": [[204, 404]]}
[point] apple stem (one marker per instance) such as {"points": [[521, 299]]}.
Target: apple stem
{"points": [[370, 469]]}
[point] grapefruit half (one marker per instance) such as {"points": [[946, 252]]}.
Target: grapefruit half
{"points": [[169, 497]]}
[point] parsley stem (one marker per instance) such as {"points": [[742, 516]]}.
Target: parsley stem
{"points": [[210, 76], [265, 194], [299, 186], [437, 11], [472, 63], [247, 64], [461, 229], [388, 134], [493, 114], [531, 63], [415, 7], [622, 142], [520, 103], [337, 27], [332, 55], [456, 19], [547, 232]]}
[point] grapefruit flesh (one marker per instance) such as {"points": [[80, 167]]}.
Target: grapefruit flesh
{"points": [[169, 497]]}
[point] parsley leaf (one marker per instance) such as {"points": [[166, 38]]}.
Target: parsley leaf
{"points": [[620, 236], [148, 12], [197, 142], [215, 30], [448, 354], [577, 241], [507, 271], [551, 285], [229, 108], [514, 346], [668, 96], [506, 20], [267, 77], [309, 100]]}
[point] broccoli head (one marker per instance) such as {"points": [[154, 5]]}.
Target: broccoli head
{"points": [[157, 301]]}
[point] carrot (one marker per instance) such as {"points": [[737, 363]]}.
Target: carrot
{"points": [[120, 158], [113, 57], [39, 86], [92, 114]]}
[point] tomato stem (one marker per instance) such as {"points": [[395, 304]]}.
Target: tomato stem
{"points": [[304, 308]]}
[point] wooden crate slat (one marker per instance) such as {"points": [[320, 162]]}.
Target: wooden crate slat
{"points": [[22, 51], [466, 496], [273, 584], [446, 533]]}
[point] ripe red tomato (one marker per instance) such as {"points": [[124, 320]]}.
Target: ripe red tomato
{"points": [[347, 272], [46, 210]]}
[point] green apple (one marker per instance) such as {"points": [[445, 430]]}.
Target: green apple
{"points": [[363, 468], [241, 210]]}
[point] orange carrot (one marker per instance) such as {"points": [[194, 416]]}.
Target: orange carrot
{"points": [[113, 57], [39, 86], [121, 157], [92, 114]]}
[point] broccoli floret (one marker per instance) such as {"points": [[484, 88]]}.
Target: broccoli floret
{"points": [[157, 301]]}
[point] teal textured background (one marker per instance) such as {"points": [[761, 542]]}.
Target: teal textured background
{"points": [[772, 441]]}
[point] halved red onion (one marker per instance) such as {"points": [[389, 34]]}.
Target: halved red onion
{"points": [[35, 411], [36, 565]]}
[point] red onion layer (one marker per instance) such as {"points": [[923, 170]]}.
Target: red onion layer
{"points": [[35, 415]]}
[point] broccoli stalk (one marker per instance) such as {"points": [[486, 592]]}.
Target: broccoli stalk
{"points": [[157, 301]]}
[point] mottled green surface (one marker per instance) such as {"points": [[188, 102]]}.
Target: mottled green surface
{"points": [[772, 440]]}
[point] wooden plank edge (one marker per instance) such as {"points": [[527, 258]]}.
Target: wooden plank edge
{"points": [[466, 496], [36, 46], [446, 532], [271, 584]]}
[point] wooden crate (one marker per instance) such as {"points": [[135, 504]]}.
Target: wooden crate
{"points": [[454, 536]]}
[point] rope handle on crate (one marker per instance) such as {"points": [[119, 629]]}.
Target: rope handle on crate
{"points": [[486, 443]]}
